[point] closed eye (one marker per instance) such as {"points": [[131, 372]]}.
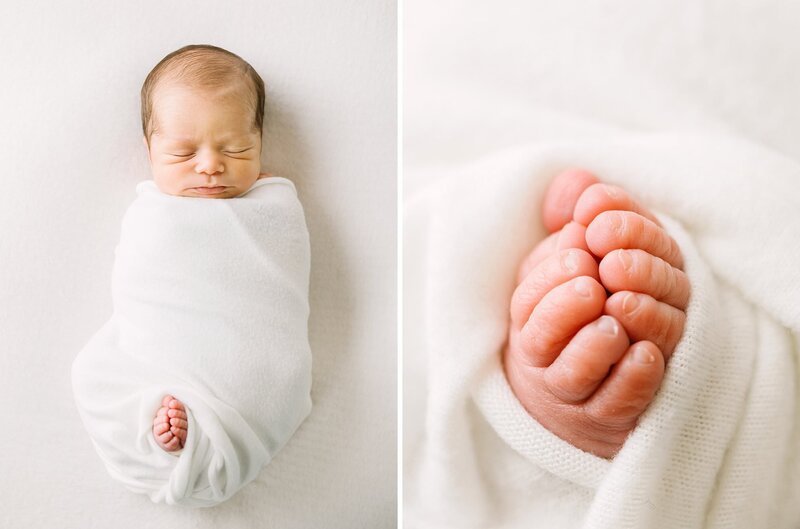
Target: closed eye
{"points": [[181, 155], [237, 152]]}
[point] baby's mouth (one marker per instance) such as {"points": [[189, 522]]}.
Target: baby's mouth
{"points": [[206, 190]]}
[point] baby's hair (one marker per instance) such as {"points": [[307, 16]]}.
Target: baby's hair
{"points": [[205, 66]]}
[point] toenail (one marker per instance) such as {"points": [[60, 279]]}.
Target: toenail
{"points": [[630, 303], [615, 221], [608, 325], [642, 355], [571, 261], [611, 191], [626, 259], [583, 286]]}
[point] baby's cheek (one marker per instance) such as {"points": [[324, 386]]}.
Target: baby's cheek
{"points": [[168, 177], [163, 183]]}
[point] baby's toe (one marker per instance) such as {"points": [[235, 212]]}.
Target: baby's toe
{"points": [[638, 271], [572, 235], [645, 318], [181, 435], [175, 404], [586, 360], [557, 317], [178, 423], [542, 251], [173, 444], [165, 437], [562, 195], [628, 389], [161, 416], [160, 427], [166, 400], [553, 271], [614, 230], [177, 413], [600, 197]]}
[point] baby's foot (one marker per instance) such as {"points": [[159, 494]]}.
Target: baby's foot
{"points": [[170, 425], [640, 266], [569, 360]]}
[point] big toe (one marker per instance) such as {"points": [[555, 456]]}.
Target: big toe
{"points": [[629, 388], [646, 318], [586, 360], [562, 195]]}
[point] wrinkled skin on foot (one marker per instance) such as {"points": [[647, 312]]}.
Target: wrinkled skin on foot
{"points": [[170, 424], [598, 310]]}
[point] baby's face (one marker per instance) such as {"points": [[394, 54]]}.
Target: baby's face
{"points": [[205, 145]]}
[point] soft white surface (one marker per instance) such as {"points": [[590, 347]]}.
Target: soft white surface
{"points": [[481, 78], [72, 155], [211, 307], [717, 447]]}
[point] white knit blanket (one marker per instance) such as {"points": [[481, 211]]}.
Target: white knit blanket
{"points": [[717, 448], [211, 306]]}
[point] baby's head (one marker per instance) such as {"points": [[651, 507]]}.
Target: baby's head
{"points": [[202, 113]]}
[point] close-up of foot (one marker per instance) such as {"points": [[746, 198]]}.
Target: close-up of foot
{"points": [[598, 311], [170, 425]]}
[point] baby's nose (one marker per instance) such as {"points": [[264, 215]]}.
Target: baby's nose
{"points": [[209, 163]]}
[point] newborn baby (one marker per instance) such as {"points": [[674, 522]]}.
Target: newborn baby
{"points": [[203, 139], [597, 312], [203, 372]]}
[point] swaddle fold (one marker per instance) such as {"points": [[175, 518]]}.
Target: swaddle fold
{"points": [[211, 306], [717, 448]]}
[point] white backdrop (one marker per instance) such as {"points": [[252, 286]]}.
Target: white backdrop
{"points": [[71, 151], [480, 77]]}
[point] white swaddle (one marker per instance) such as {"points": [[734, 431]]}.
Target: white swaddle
{"points": [[211, 306], [720, 444]]}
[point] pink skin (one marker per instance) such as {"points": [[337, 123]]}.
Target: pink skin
{"points": [[204, 144], [170, 426], [583, 363]]}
